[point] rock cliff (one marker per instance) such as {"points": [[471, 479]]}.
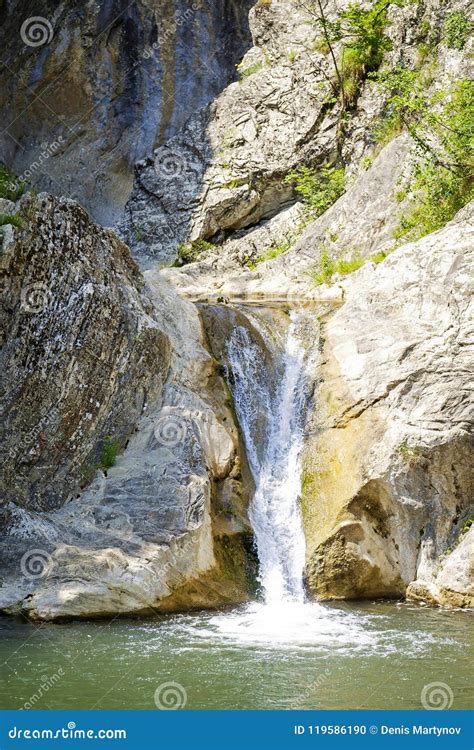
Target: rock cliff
{"points": [[124, 478], [95, 364], [87, 88]]}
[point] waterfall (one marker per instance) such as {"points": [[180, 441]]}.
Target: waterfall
{"points": [[274, 455]]}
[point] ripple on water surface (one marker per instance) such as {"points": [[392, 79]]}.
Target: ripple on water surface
{"points": [[339, 655]]}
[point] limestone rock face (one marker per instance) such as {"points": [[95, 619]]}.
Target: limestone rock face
{"points": [[388, 479], [452, 582], [89, 88], [225, 170], [101, 355], [82, 351], [359, 224]]}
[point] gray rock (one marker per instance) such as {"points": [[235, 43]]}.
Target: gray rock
{"points": [[166, 526], [389, 469], [94, 87]]}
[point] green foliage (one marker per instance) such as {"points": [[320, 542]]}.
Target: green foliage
{"points": [[367, 161], [10, 189], [321, 45], [272, 252], [319, 188], [246, 72], [361, 31], [138, 234], [457, 29], [467, 524], [110, 451], [409, 452], [329, 266], [188, 252], [424, 50], [443, 181], [441, 126], [10, 219], [379, 257], [365, 45], [387, 129]]}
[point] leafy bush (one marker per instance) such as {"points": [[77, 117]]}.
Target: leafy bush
{"points": [[272, 252], [443, 181], [110, 451], [361, 31], [319, 188], [10, 219], [246, 72], [10, 188], [367, 42], [457, 29], [188, 252], [330, 266]]}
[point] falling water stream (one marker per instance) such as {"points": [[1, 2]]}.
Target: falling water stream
{"points": [[275, 463]]}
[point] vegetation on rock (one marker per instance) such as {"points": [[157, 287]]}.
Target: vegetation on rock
{"points": [[457, 29], [10, 188], [356, 42], [188, 252], [441, 127], [319, 188], [329, 266]]}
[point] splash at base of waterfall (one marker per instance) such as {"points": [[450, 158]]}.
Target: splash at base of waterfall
{"points": [[290, 624]]}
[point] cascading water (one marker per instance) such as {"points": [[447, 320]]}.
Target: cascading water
{"points": [[271, 362], [275, 456]]}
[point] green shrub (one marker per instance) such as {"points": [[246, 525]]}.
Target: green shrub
{"points": [[273, 252], [443, 180], [457, 29], [110, 451], [387, 129], [409, 452], [319, 188], [329, 266], [10, 219], [10, 188], [359, 32], [247, 72], [188, 252]]}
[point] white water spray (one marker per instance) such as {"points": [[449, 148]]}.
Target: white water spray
{"points": [[274, 454]]}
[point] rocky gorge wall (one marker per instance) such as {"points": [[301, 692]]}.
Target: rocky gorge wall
{"points": [[87, 89], [122, 462], [95, 364]]}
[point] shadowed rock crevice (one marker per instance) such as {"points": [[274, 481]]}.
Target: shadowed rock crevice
{"points": [[107, 83]]}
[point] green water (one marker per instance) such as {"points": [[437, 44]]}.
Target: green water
{"points": [[332, 656]]}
